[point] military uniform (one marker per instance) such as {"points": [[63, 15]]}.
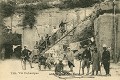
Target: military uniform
{"points": [[106, 61], [95, 62], [59, 68], [86, 58], [26, 56], [70, 58]]}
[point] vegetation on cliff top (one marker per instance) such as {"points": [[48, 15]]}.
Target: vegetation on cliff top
{"points": [[7, 9]]}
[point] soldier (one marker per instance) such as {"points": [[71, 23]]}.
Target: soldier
{"points": [[95, 61], [41, 45], [26, 56], [70, 57], [79, 57], [59, 68], [42, 61], [50, 61], [62, 27], [47, 40], [3, 53], [86, 59], [106, 60]]}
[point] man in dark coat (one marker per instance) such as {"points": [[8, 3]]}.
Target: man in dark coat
{"points": [[86, 57], [59, 68], [106, 60], [26, 56], [42, 61]]}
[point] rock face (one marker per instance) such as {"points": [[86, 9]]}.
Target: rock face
{"points": [[104, 31], [50, 18], [46, 21]]}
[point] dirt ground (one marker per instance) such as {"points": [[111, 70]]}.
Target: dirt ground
{"points": [[11, 70]]}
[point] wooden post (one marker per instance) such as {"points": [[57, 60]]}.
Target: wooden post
{"points": [[115, 38], [23, 38], [11, 21]]}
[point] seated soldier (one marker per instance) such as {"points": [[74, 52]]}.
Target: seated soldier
{"points": [[42, 61], [59, 69]]}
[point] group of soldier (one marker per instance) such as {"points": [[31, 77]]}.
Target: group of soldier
{"points": [[46, 41], [87, 57]]}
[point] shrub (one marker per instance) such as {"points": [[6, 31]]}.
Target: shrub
{"points": [[29, 18], [77, 3], [41, 6], [7, 9]]}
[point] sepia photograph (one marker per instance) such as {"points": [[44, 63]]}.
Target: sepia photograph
{"points": [[60, 39]]}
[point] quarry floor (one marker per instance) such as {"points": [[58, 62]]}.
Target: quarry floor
{"points": [[11, 69]]}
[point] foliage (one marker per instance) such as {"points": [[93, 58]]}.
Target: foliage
{"points": [[77, 3], [9, 37], [29, 18], [44, 5], [7, 9], [30, 13]]}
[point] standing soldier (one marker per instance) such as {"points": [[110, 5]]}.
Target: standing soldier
{"points": [[79, 56], [86, 57], [42, 61], [106, 60], [47, 40], [35, 56], [41, 45], [70, 57], [26, 56], [95, 61], [3, 53]]}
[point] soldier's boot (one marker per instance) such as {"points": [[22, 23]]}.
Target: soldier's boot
{"points": [[96, 72], [92, 72], [82, 71], [24, 65], [71, 68], [87, 71], [39, 65], [31, 65]]}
